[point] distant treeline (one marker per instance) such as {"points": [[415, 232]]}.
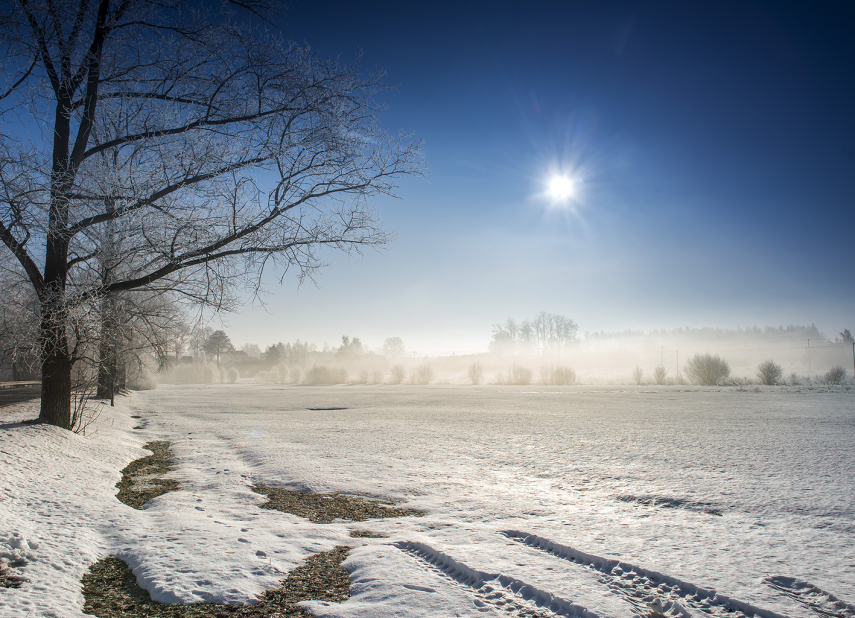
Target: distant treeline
{"points": [[768, 334], [545, 333]]}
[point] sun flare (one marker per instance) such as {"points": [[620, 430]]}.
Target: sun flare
{"points": [[561, 188]]}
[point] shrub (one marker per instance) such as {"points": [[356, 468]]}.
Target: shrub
{"points": [[232, 375], [520, 375], [516, 375], [296, 375], [769, 372], [423, 375], [475, 373], [707, 370], [835, 375], [282, 373], [141, 380], [376, 377], [558, 376], [638, 375], [278, 374], [398, 374], [322, 374], [363, 377], [659, 374]]}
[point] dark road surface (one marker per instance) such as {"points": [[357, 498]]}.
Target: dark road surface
{"points": [[8, 396]]}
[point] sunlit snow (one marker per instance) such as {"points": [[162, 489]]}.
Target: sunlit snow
{"points": [[537, 499]]}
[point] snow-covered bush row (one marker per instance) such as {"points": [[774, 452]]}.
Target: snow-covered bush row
{"points": [[323, 374]]}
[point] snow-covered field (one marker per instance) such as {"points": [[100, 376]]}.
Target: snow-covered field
{"points": [[611, 501]]}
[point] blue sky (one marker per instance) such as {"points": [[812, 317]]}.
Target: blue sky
{"points": [[713, 145]]}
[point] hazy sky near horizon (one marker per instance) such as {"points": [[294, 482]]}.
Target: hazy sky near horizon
{"points": [[712, 145]]}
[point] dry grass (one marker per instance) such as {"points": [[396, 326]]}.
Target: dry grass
{"points": [[366, 534], [140, 482], [325, 508], [10, 578], [110, 590]]}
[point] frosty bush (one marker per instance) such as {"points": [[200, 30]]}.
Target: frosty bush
{"points": [[322, 374], [475, 373], [659, 374], [278, 374], [194, 373], [707, 370], [558, 376], [377, 377], [363, 377], [563, 376], [141, 380], [638, 376], [835, 375], [398, 374], [769, 372], [516, 375], [232, 375], [423, 375]]}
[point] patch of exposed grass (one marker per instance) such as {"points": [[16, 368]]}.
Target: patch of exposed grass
{"points": [[366, 534], [325, 508], [141, 478], [9, 577], [110, 590]]}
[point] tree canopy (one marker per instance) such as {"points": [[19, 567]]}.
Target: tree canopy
{"points": [[204, 146]]}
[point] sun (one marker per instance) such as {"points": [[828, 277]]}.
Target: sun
{"points": [[561, 188]]}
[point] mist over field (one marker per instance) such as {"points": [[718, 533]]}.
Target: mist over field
{"points": [[545, 350]]}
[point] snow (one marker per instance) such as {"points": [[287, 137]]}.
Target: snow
{"points": [[572, 501]]}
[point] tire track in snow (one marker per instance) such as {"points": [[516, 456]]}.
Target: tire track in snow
{"points": [[650, 592], [508, 594], [813, 597]]}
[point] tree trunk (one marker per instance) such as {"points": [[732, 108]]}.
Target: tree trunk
{"points": [[56, 386], [106, 371], [108, 352], [109, 349]]}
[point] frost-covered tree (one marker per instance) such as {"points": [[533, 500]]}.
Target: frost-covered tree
{"points": [[393, 347], [251, 350], [272, 354], [349, 348], [229, 149], [218, 343], [547, 332]]}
